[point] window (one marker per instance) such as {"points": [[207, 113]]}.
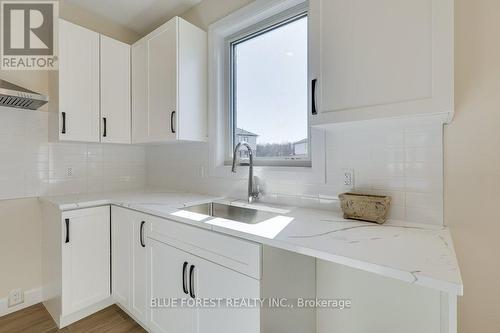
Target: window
{"points": [[268, 91]]}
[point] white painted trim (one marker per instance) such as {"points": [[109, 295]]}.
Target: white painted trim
{"points": [[131, 315], [76, 316], [415, 119], [31, 297], [218, 118]]}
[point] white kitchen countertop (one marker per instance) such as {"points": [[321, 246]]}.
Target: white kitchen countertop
{"points": [[416, 253]]}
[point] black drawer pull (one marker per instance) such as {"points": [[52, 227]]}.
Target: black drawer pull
{"points": [[172, 121], [191, 282], [313, 97], [67, 230], [63, 130], [105, 132], [184, 286], [141, 234]]}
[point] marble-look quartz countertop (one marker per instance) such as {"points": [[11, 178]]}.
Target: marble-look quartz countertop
{"points": [[416, 253]]}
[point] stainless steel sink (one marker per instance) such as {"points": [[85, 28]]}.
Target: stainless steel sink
{"points": [[235, 213]]}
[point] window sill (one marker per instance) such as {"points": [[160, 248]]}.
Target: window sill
{"points": [[274, 164], [286, 174]]}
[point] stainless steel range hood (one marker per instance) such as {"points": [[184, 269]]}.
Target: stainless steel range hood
{"points": [[14, 96]]}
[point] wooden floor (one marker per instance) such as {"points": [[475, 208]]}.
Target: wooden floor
{"points": [[36, 319]]}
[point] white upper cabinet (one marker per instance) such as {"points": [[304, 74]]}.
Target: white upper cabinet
{"points": [[92, 86], [140, 91], [115, 91], [169, 84], [78, 83], [162, 74], [379, 59]]}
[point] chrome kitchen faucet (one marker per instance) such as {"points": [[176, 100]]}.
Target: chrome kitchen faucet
{"points": [[253, 190]]}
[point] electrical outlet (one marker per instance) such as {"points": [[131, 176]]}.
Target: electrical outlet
{"points": [[16, 297], [349, 177], [69, 171]]}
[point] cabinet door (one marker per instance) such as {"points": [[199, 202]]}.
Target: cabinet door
{"points": [[115, 91], [122, 227], [383, 58], [78, 83], [140, 294], [140, 92], [213, 281], [162, 82], [166, 272], [85, 258]]}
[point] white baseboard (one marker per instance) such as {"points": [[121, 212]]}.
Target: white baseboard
{"points": [[76, 316], [131, 315], [31, 297]]}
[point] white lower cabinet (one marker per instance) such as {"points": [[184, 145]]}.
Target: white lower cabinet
{"points": [[76, 262], [214, 281], [122, 228], [129, 262], [169, 276], [85, 258], [175, 278], [140, 295]]}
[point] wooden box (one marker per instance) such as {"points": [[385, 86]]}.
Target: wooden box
{"points": [[365, 207]]}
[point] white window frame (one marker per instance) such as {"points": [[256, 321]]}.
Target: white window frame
{"points": [[275, 22], [218, 89]]}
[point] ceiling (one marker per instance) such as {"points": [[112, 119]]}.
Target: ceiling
{"points": [[140, 16]]}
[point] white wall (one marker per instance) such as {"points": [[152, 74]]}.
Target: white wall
{"points": [[472, 163], [395, 158]]}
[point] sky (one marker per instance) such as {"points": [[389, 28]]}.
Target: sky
{"points": [[271, 84]]}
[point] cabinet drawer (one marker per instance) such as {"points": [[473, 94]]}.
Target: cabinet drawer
{"points": [[234, 253]]}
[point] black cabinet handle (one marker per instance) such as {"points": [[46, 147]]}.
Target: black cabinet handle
{"points": [[313, 96], [191, 282], [67, 230], [141, 232], [172, 121], [184, 286], [105, 132], [63, 130]]}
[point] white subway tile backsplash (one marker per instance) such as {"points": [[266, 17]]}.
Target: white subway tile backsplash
{"points": [[430, 201], [426, 138], [31, 166], [422, 154], [399, 158], [425, 185]]}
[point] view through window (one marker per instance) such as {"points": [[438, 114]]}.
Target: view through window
{"points": [[269, 82]]}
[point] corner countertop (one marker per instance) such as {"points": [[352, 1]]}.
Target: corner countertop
{"points": [[416, 253]]}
